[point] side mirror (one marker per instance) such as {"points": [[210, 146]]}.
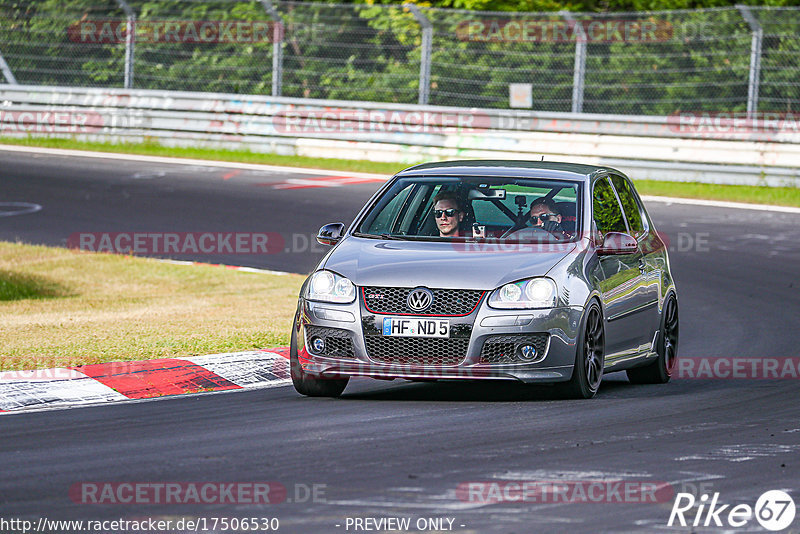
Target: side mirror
{"points": [[330, 234], [617, 243]]}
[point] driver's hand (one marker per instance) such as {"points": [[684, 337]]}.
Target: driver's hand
{"points": [[553, 227]]}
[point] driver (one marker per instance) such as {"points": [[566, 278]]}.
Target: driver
{"points": [[448, 213], [545, 215]]}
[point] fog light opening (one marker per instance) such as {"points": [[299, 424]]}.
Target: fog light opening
{"points": [[318, 344]]}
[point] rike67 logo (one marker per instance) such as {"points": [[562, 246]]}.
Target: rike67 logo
{"points": [[774, 510]]}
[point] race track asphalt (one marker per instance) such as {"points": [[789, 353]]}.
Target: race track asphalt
{"points": [[399, 449]]}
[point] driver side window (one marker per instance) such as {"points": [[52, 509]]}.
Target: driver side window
{"points": [[606, 211], [386, 217]]}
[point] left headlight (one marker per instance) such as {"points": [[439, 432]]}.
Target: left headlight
{"points": [[326, 286], [531, 293]]}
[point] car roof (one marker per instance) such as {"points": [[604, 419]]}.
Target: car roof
{"points": [[528, 169]]}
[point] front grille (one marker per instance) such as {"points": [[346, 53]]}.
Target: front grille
{"points": [[446, 302], [338, 343], [416, 350], [503, 349]]}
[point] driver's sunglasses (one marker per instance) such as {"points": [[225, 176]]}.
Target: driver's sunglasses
{"points": [[449, 212], [544, 217]]}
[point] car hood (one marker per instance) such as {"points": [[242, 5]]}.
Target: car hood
{"points": [[372, 262]]}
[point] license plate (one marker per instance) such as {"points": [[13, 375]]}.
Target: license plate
{"points": [[415, 327]]}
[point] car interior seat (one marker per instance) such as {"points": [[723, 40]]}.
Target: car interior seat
{"points": [[469, 218], [568, 211]]}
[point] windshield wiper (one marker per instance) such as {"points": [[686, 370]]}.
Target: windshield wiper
{"points": [[392, 237], [368, 236], [381, 236]]}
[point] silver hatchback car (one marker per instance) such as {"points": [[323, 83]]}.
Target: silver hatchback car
{"points": [[538, 272]]}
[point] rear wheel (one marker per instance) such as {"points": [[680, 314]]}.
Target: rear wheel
{"points": [[660, 371], [589, 357], [307, 384]]}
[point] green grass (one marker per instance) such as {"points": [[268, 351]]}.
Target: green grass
{"points": [[780, 196], [21, 286], [62, 307], [783, 196]]}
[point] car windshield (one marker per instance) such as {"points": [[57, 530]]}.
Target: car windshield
{"points": [[480, 208]]}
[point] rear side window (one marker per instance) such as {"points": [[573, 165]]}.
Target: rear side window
{"points": [[629, 205], [607, 213]]}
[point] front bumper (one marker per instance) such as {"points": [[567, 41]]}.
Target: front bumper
{"points": [[555, 365]]}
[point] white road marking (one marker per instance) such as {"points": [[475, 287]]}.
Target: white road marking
{"points": [[550, 475], [186, 161], [742, 453], [233, 267], [438, 505], [148, 175], [7, 209], [721, 204]]}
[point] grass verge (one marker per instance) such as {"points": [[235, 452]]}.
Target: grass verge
{"points": [[778, 196], [62, 308], [782, 196]]}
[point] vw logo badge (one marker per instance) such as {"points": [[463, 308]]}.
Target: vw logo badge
{"points": [[527, 352], [420, 299]]}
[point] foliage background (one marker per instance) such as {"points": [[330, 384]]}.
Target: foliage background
{"points": [[371, 51]]}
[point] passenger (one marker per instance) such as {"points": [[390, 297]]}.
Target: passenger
{"points": [[448, 213], [546, 216]]}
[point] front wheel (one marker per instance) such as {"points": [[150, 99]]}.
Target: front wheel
{"points": [[589, 358], [660, 371], [307, 384]]}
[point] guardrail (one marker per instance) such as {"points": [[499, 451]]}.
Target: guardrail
{"points": [[709, 148]]}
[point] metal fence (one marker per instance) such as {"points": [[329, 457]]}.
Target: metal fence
{"points": [[646, 63]]}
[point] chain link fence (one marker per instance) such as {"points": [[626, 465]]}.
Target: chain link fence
{"points": [[645, 63]]}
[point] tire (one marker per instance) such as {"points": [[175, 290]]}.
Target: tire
{"points": [[309, 385], [660, 371], [589, 357]]}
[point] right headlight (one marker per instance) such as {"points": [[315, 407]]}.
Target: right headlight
{"points": [[531, 293], [327, 286]]}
